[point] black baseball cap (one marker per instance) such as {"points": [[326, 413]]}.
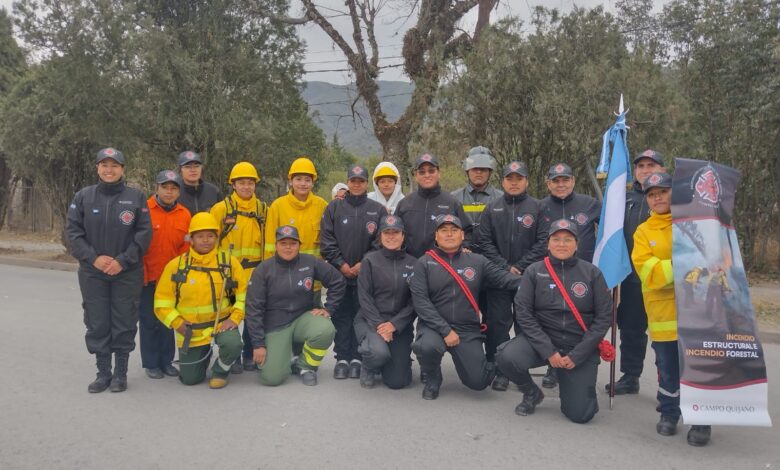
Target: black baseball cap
{"points": [[188, 156], [517, 167], [559, 169], [357, 171], [391, 222], [562, 224], [652, 155], [448, 219], [287, 231], [426, 158], [168, 176], [112, 153], [658, 179]]}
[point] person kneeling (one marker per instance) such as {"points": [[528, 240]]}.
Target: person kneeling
{"points": [[446, 281], [280, 311], [550, 333], [192, 289], [383, 324]]}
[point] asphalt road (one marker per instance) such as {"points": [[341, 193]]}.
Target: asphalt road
{"points": [[48, 420]]}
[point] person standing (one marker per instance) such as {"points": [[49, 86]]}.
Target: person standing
{"points": [[241, 218], [170, 225], [581, 209], [420, 208], [281, 311], [300, 208], [384, 323], [510, 236], [387, 186], [652, 258], [479, 166], [109, 229], [194, 296], [348, 231], [196, 195], [551, 333], [448, 319], [631, 315]]}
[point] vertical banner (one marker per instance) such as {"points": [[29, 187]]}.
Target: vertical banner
{"points": [[722, 371]]}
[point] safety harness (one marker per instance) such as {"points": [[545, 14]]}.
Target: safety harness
{"points": [[229, 222], [180, 277], [232, 215]]}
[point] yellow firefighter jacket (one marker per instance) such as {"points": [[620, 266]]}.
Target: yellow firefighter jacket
{"points": [[189, 290], [303, 215], [652, 258]]}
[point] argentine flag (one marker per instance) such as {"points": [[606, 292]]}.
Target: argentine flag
{"points": [[611, 255]]}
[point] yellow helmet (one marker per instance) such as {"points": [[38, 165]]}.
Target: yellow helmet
{"points": [[385, 171], [302, 166], [243, 170], [203, 221]]}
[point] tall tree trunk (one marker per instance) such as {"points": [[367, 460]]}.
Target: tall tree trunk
{"points": [[395, 147], [5, 189]]}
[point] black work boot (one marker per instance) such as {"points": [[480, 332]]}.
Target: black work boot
{"points": [[628, 384], [341, 371], [699, 435], [103, 379], [667, 425], [119, 379], [355, 366], [532, 396], [550, 379], [500, 383], [367, 377], [432, 384]]}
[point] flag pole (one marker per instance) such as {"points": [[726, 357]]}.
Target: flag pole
{"points": [[615, 302]]}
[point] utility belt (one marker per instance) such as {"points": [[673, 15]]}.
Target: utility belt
{"points": [[246, 264], [188, 329]]}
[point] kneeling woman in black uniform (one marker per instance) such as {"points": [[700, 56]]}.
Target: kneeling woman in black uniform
{"points": [[550, 333], [383, 324]]}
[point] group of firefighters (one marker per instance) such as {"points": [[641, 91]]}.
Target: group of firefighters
{"points": [[236, 284]]}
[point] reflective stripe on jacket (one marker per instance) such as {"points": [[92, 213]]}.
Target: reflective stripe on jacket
{"points": [[247, 234], [196, 298], [652, 258]]}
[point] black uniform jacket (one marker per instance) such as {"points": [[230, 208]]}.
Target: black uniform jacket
{"points": [[419, 210], [109, 219], [438, 299], [348, 229], [510, 232], [637, 211], [199, 198], [580, 209], [280, 291], [546, 320], [383, 288]]}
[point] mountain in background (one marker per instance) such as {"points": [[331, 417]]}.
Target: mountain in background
{"points": [[330, 108]]}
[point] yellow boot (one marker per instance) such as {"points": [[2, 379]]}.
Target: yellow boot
{"points": [[218, 382]]}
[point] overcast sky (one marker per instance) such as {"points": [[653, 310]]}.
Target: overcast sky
{"points": [[322, 54]]}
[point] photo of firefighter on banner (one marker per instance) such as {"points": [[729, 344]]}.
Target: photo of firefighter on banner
{"points": [[723, 378]]}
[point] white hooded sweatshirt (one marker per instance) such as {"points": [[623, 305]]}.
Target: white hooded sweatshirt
{"points": [[395, 198]]}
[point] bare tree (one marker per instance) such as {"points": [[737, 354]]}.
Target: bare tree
{"points": [[427, 46]]}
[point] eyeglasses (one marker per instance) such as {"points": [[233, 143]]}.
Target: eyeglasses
{"points": [[563, 240], [429, 171]]}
